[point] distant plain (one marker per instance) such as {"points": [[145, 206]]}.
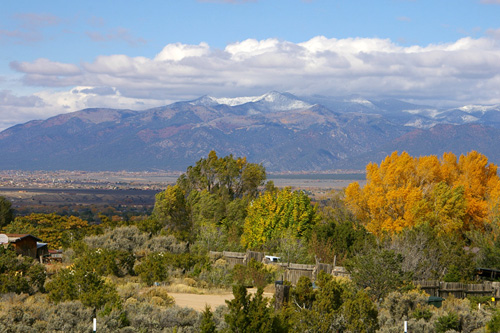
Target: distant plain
{"points": [[135, 188]]}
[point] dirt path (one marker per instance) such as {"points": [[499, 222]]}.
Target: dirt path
{"points": [[198, 302]]}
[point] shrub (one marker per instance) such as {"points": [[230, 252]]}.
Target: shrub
{"points": [[152, 268], [165, 244], [107, 262], [494, 324], [20, 274], [162, 298], [77, 283], [253, 274], [398, 307], [128, 239], [150, 318], [447, 322]]}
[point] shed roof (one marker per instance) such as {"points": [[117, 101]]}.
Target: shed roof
{"points": [[13, 238]]}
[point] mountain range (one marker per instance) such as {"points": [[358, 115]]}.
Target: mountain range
{"points": [[282, 131]]}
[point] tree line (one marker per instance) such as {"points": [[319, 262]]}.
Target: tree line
{"points": [[416, 218]]}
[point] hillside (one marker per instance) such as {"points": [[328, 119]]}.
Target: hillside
{"points": [[279, 130]]}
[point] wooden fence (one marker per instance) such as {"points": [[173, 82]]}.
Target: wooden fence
{"points": [[291, 272], [237, 258], [459, 290]]}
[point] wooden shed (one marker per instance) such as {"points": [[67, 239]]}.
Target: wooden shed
{"points": [[24, 244]]}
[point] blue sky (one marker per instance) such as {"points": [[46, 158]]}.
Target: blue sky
{"points": [[60, 56]]}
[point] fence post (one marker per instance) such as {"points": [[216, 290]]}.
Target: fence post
{"points": [[282, 294]]}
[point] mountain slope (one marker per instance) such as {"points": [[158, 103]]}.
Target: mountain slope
{"points": [[281, 131]]}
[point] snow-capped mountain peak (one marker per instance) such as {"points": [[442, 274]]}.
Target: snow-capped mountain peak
{"points": [[236, 100], [274, 100], [478, 108], [362, 101]]}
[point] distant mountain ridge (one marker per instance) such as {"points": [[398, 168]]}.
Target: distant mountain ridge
{"points": [[279, 130]]}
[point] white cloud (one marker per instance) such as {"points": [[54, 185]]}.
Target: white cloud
{"points": [[464, 72], [82, 97], [7, 98], [180, 51], [15, 109], [494, 33], [45, 67]]}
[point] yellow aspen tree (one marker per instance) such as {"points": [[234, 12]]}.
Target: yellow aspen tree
{"points": [[474, 176], [449, 195]]}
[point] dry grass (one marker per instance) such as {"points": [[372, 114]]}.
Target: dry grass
{"points": [[53, 268], [189, 286]]}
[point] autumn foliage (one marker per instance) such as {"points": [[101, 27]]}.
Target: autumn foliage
{"points": [[447, 193], [273, 213]]}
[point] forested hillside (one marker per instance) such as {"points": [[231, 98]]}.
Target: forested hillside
{"points": [[417, 218]]}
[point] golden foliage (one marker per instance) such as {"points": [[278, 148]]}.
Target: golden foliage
{"points": [[405, 191]]}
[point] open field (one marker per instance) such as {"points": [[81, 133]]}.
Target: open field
{"points": [[70, 197]]}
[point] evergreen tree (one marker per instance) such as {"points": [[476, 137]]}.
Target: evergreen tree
{"points": [[381, 270], [207, 321], [6, 212], [249, 315]]}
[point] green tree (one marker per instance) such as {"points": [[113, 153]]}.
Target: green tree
{"points": [[338, 234], [303, 295], [429, 254], [207, 321], [58, 231], [292, 249], [274, 212], [6, 212], [380, 270], [250, 314], [216, 191], [360, 313], [238, 317], [171, 212], [235, 176], [489, 244], [336, 306]]}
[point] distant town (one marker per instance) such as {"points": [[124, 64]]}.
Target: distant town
{"points": [[146, 180], [86, 179]]}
